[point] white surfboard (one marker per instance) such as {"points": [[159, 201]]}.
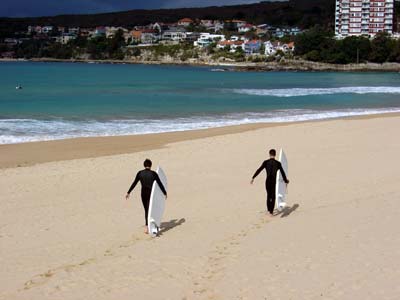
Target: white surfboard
{"points": [[157, 204], [281, 187]]}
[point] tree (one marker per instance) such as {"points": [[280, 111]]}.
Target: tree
{"points": [[115, 44], [355, 49], [381, 48], [395, 53], [315, 39], [97, 47]]}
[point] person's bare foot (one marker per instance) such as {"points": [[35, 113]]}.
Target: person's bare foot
{"points": [[146, 230]]}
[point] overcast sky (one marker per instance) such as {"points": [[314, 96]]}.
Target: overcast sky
{"points": [[33, 8]]}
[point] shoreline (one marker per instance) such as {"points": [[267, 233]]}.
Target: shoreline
{"points": [[283, 66], [31, 153]]}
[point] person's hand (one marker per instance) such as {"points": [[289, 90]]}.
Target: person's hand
{"points": [[287, 182], [127, 196], [252, 181]]}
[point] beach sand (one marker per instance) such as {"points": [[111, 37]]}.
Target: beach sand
{"points": [[66, 231]]}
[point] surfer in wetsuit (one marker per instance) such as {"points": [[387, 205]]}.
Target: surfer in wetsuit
{"points": [[146, 178], [271, 166]]}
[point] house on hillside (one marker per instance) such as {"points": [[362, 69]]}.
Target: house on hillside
{"points": [[34, 29], [74, 30], [233, 46], [160, 27], [136, 36], [207, 23], [218, 26], [261, 31], [238, 23], [85, 32], [295, 31], [206, 39], [175, 34], [65, 38], [271, 48], [61, 29], [237, 45], [192, 36], [185, 22], [98, 32], [47, 29], [224, 44], [252, 46], [149, 36], [246, 28]]}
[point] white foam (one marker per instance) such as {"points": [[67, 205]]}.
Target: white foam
{"points": [[298, 92], [29, 130]]}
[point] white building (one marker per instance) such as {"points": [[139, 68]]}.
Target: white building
{"points": [[245, 28], [363, 17], [47, 29], [271, 48], [65, 38], [174, 34], [206, 39]]}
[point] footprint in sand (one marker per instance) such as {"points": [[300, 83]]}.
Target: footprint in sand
{"points": [[38, 280], [216, 260], [44, 277]]}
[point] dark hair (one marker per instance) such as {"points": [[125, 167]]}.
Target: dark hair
{"points": [[147, 163], [272, 152]]}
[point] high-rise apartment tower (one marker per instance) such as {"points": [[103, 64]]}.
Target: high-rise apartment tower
{"points": [[363, 17]]}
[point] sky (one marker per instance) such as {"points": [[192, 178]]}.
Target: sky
{"points": [[34, 8]]}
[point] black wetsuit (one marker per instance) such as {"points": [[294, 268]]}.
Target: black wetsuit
{"points": [[271, 166], [146, 178]]}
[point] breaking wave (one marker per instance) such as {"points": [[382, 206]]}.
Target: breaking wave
{"points": [[298, 92], [29, 130]]}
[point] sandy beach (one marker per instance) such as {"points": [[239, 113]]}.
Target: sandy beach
{"points": [[66, 231]]}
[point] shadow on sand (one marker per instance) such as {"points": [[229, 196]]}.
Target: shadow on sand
{"points": [[167, 226], [288, 210]]}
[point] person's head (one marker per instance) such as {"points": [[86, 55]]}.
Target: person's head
{"points": [[147, 164], [272, 153]]}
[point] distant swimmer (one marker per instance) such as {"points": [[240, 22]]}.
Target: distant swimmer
{"points": [[18, 87], [146, 178], [271, 166]]}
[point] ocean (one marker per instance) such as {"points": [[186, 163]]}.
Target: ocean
{"points": [[67, 100]]}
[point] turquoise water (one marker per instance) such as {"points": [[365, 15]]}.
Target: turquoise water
{"points": [[63, 100]]}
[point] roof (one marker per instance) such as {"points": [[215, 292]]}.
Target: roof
{"points": [[186, 20], [228, 43], [136, 33], [253, 42]]}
